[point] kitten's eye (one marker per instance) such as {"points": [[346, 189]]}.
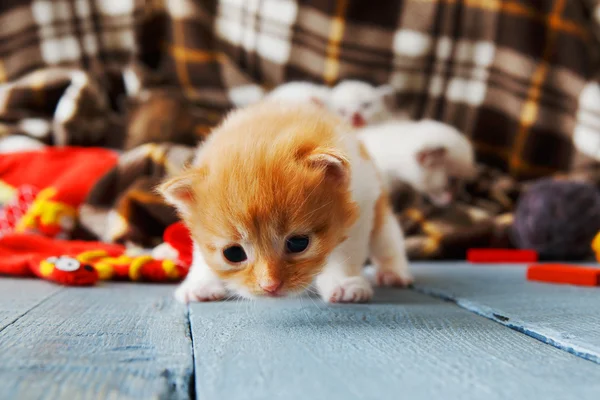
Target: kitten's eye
{"points": [[296, 244], [235, 254]]}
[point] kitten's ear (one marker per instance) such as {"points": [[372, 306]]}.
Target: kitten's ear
{"points": [[335, 163], [432, 157], [178, 191]]}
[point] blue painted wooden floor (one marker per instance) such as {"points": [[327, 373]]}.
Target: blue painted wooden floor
{"points": [[464, 332]]}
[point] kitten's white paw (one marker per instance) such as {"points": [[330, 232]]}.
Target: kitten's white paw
{"points": [[355, 289], [395, 279], [190, 291]]}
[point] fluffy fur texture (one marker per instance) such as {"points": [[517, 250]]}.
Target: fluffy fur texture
{"points": [[360, 103], [301, 91], [426, 154], [275, 171]]}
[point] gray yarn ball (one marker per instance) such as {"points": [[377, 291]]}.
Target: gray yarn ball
{"points": [[558, 219]]}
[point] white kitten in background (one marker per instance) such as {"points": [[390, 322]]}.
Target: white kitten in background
{"points": [[360, 103], [301, 91], [357, 102], [424, 154]]}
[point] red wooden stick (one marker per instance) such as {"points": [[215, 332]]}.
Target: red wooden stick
{"points": [[501, 256], [564, 273]]}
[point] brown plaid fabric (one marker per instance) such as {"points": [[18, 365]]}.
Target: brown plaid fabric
{"points": [[95, 35], [518, 77], [507, 73], [59, 106], [123, 206], [67, 106]]}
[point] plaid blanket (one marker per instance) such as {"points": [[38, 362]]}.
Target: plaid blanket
{"points": [[124, 208], [519, 78]]}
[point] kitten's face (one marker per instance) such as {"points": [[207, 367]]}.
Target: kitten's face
{"points": [[265, 224], [359, 103], [270, 234]]}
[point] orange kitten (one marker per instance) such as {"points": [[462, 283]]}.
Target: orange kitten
{"points": [[282, 195]]}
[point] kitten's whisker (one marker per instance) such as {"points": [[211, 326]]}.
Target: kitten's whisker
{"points": [[254, 306], [314, 303], [309, 289], [247, 308], [304, 311], [312, 191], [307, 216], [237, 301], [231, 296]]}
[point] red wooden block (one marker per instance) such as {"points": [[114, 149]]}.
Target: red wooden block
{"points": [[565, 274], [501, 256]]}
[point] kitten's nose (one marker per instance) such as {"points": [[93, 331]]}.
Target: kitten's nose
{"points": [[271, 286], [358, 120]]}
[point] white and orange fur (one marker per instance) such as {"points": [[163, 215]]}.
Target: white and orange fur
{"points": [[274, 170]]}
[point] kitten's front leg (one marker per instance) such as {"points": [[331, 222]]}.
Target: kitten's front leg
{"points": [[342, 282], [201, 283], [388, 251]]}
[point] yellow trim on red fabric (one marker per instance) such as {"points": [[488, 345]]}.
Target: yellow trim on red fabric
{"points": [[46, 268], [90, 256], [105, 270], [170, 269], [45, 212], [136, 266]]}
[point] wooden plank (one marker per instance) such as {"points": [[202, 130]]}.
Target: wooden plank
{"points": [[564, 316], [18, 296], [119, 340], [405, 345]]}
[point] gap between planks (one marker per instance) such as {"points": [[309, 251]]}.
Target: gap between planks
{"points": [[192, 383], [487, 312], [115, 338], [465, 285], [403, 342]]}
